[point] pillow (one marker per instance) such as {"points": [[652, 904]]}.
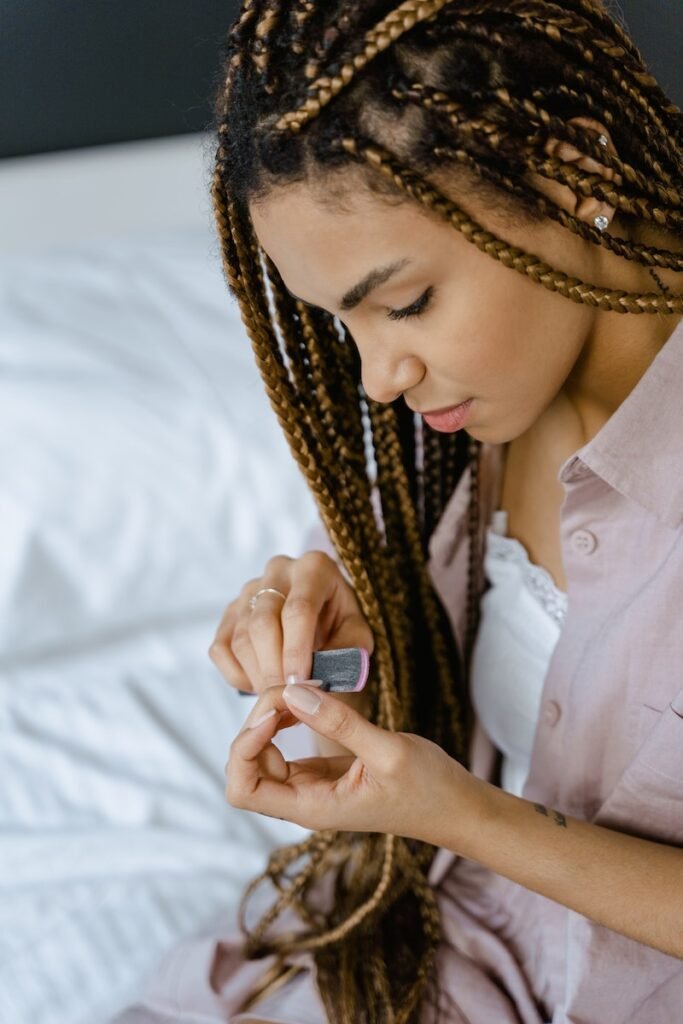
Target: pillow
{"points": [[145, 475]]}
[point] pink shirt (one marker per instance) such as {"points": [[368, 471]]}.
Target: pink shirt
{"points": [[608, 746]]}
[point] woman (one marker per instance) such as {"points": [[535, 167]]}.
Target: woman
{"points": [[496, 819]]}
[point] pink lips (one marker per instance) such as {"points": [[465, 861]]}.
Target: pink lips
{"points": [[450, 420]]}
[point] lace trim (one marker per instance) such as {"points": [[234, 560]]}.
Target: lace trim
{"points": [[538, 580]]}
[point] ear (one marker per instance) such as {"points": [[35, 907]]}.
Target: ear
{"points": [[582, 207]]}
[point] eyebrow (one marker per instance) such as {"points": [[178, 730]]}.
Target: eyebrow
{"points": [[354, 296]]}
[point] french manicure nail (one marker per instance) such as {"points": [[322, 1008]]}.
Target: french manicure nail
{"points": [[293, 678], [302, 698], [296, 680], [262, 718]]}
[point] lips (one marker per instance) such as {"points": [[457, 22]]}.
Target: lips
{"points": [[451, 419]]}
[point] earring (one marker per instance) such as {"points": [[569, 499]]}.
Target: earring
{"points": [[601, 222]]}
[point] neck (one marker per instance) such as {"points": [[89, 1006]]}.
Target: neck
{"points": [[619, 347], [612, 361]]}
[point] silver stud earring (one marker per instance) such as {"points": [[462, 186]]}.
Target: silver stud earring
{"points": [[601, 222]]}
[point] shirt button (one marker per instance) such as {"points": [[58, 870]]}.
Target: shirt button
{"points": [[584, 541], [551, 712]]}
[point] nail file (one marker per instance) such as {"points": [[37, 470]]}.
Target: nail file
{"points": [[344, 670]]}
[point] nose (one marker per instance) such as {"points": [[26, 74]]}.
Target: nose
{"points": [[381, 394], [384, 380]]}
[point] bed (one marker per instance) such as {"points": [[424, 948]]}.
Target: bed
{"points": [[145, 479]]}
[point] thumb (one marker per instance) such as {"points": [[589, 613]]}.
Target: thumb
{"points": [[333, 718]]}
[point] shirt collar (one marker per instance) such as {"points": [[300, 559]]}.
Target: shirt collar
{"points": [[639, 450]]}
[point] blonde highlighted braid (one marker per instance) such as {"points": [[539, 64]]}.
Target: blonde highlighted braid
{"points": [[307, 89]]}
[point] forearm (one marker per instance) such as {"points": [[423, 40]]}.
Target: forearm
{"points": [[633, 886]]}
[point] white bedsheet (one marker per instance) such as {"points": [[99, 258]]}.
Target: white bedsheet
{"points": [[145, 479], [116, 837]]}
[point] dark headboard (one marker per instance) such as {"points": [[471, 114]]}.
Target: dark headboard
{"points": [[88, 72], [79, 73]]}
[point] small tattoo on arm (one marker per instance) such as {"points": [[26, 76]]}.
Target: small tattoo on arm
{"points": [[558, 818]]}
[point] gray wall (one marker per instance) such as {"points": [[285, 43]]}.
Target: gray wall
{"points": [[79, 73]]}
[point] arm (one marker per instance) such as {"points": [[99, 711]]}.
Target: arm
{"points": [[633, 886]]}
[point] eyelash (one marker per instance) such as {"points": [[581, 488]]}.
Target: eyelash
{"points": [[418, 307]]}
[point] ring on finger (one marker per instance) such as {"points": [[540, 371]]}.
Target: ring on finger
{"points": [[265, 590]]}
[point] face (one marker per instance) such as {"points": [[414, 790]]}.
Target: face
{"points": [[450, 323]]}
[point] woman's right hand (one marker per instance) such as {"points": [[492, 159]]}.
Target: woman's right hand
{"points": [[256, 649]]}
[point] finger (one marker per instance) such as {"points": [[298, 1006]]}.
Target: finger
{"points": [[325, 714], [232, 650], [246, 785], [264, 726], [221, 653], [270, 698], [271, 759], [257, 637], [326, 767], [314, 583], [264, 627]]}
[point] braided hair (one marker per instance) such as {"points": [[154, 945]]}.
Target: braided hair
{"points": [[306, 89]]}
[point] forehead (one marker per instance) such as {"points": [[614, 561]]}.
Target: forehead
{"points": [[306, 212], [315, 244]]}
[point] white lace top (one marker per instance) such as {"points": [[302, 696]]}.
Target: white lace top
{"points": [[521, 617]]}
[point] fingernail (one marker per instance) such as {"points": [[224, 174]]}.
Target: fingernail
{"points": [[303, 698], [258, 721], [293, 680]]}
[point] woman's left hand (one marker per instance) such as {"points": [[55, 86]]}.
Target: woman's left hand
{"points": [[397, 782]]}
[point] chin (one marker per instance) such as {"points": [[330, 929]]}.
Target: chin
{"points": [[493, 435], [483, 435]]}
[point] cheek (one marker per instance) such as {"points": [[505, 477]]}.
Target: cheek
{"points": [[482, 353], [518, 339]]}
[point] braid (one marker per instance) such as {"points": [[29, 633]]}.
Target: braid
{"points": [[476, 86], [265, 31], [510, 255], [490, 134], [382, 35], [530, 112]]}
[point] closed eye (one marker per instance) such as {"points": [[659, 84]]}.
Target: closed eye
{"points": [[417, 307]]}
